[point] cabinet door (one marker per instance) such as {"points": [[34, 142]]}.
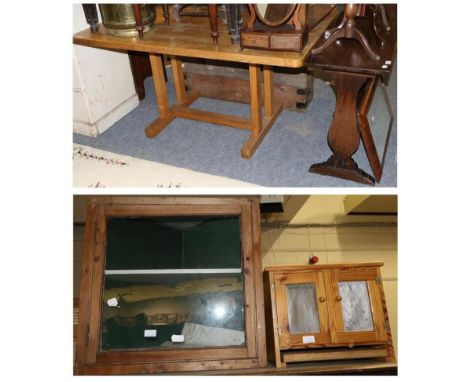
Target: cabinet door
{"points": [[301, 310], [355, 306]]}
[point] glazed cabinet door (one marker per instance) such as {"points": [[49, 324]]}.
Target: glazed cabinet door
{"points": [[354, 303], [301, 310]]}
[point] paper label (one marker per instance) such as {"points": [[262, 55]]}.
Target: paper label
{"points": [[308, 339], [150, 332], [177, 338], [112, 302], [388, 62]]}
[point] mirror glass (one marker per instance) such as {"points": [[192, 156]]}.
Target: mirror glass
{"points": [[274, 14], [302, 308], [355, 306], [173, 282], [380, 119]]}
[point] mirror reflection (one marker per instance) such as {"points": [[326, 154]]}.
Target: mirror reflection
{"points": [[380, 119], [274, 13]]}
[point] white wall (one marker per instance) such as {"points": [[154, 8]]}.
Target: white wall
{"points": [[103, 89]]}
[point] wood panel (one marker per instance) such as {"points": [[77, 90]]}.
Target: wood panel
{"points": [[85, 286], [249, 282], [214, 86], [174, 200], [174, 210], [332, 354], [259, 298], [308, 268], [129, 356], [94, 318]]}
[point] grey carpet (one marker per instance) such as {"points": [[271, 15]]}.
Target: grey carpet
{"points": [[295, 141]]}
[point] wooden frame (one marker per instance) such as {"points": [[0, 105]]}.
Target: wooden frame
{"points": [[286, 338], [375, 162], [332, 342], [338, 334], [90, 359]]}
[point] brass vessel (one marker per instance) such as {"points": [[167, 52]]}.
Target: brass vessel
{"points": [[120, 20]]}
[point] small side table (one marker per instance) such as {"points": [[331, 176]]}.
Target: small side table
{"points": [[353, 75]]}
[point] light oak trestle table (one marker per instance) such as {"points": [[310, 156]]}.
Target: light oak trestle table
{"points": [[191, 38]]}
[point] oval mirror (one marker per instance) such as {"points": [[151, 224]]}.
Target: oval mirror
{"points": [[274, 14]]}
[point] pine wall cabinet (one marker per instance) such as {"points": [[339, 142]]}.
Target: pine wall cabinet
{"points": [[171, 284], [326, 312]]}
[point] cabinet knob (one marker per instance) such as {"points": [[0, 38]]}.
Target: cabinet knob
{"points": [[322, 299], [338, 298]]}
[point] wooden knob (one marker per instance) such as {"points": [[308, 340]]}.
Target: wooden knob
{"points": [[338, 298], [322, 299]]}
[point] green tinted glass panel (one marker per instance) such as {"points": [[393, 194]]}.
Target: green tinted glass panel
{"points": [[173, 243]]}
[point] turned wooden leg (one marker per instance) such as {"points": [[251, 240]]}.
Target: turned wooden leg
{"points": [[213, 22], [343, 135], [329, 32], [139, 23], [234, 21], [90, 11], [373, 13], [166, 13], [383, 15]]}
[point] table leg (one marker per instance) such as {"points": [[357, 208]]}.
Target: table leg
{"points": [[269, 89], [259, 126], [179, 82], [343, 135], [255, 99], [165, 115]]}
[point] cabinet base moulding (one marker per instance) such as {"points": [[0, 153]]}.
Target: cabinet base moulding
{"points": [[333, 354]]}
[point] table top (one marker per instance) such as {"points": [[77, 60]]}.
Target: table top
{"points": [[192, 38], [349, 56]]}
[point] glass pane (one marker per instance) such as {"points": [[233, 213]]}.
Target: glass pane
{"points": [[302, 308], [173, 282], [173, 242], [356, 307], [380, 119]]}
